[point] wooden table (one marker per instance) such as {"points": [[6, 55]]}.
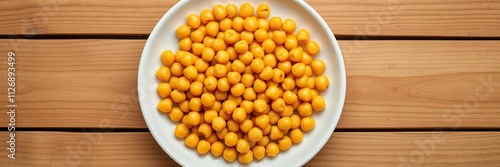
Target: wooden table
{"points": [[423, 82]]}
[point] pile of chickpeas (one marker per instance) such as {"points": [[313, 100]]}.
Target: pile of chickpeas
{"points": [[241, 86]]}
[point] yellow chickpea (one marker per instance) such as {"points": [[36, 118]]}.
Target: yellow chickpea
{"points": [[238, 66], [193, 21], [163, 73], [296, 55], [197, 36], [241, 46], [183, 31], [278, 76], [195, 104], [217, 148], [220, 70], [210, 83], [183, 84], [232, 11], [233, 77], [322, 83], [246, 10], [296, 136], [299, 69], [206, 16], [192, 140], [203, 147], [197, 48], [212, 139], [318, 67], [278, 105], [312, 48], [207, 99], [233, 126], [318, 103], [219, 12], [263, 11], [181, 131], [284, 143], [242, 146], [222, 57], [219, 45], [167, 57], [289, 97], [285, 66], [239, 114], [306, 59], [260, 35], [184, 106], [307, 124], [289, 26], [257, 52], [272, 149], [247, 36], [236, 99], [269, 60], [249, 94], [304, 94], [247, 80], [288, 84], [302, 82], [208, 41], [275, 23], [248, 70], [263, 24], [223, 85], [257, 65], [305, 109], [259, 86], [250, 24], [295, 121], [262, 121], [176, 114], [218, 123], [237, 89], [230, 154], [267, 73], [259, 152], [237, 24], [185, 44], [246, 157], [303, 36], [165, 105], [225, 24], [177, 96], [212, 29], [193, 118], [291, 42], [310, 84], [268, 45], [246, 57], [164, 90], [208, 54], [190, 72], [230, 139], [231, 36]]}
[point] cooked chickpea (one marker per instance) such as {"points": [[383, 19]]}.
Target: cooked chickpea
{"points": [[232, 11], [284, 143], [246, 57], [165, 105], [164, 90], [299, 69], [260, 35], [208, 54], [230, 154], [268, 45], [212, 29], [190, 72], [218, 45], [263, 24], [225, 24], [278, 76], [295, 120], [303, 36], [219, 12], [192, 140], [163, 73], [197, 48], [237, 89], [230, 139], [322, 83], [289, 26], [262, 121], [250, 24], [275, 23], [318, 67], [305, 109], [246, 157], [218, 123], [257, 65], [302, 82], [222, 133], [207, 99], [195, 104], [193, 21], [272, 149], [247, 36], [217, 148], [176, 114], [278, 105], [177, 96], [231, 37], [296, 136], [247, 80], [312, 48], [238, 24], [318, 103], [307, 124], [241, 46], [289, 97], [197, 36], [288, 84], [242, 146], [183, 31], [296, 55], [259, 86], [185, 44], [223, 85], [206, 16], [291, 42], [304, 94], [167, 57], [263, 11], [246, 10], [233, 126], [267, 73]]}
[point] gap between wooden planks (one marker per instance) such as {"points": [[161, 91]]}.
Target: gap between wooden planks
{"points": [[390, 84], [439, 18], [343, 149]]}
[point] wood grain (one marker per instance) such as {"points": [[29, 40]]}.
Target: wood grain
{"points": [[464, 18], [343, 149], [390, 84]]}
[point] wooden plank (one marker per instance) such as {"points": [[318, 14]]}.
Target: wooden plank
{"points": [[343, 149], [390, 84], [465, 18]]}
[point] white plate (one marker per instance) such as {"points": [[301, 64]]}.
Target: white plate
{"points": [[163, 37]]}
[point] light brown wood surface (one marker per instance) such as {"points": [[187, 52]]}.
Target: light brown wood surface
{"points": [[343, 149], [390, 84], [437, 18]]}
